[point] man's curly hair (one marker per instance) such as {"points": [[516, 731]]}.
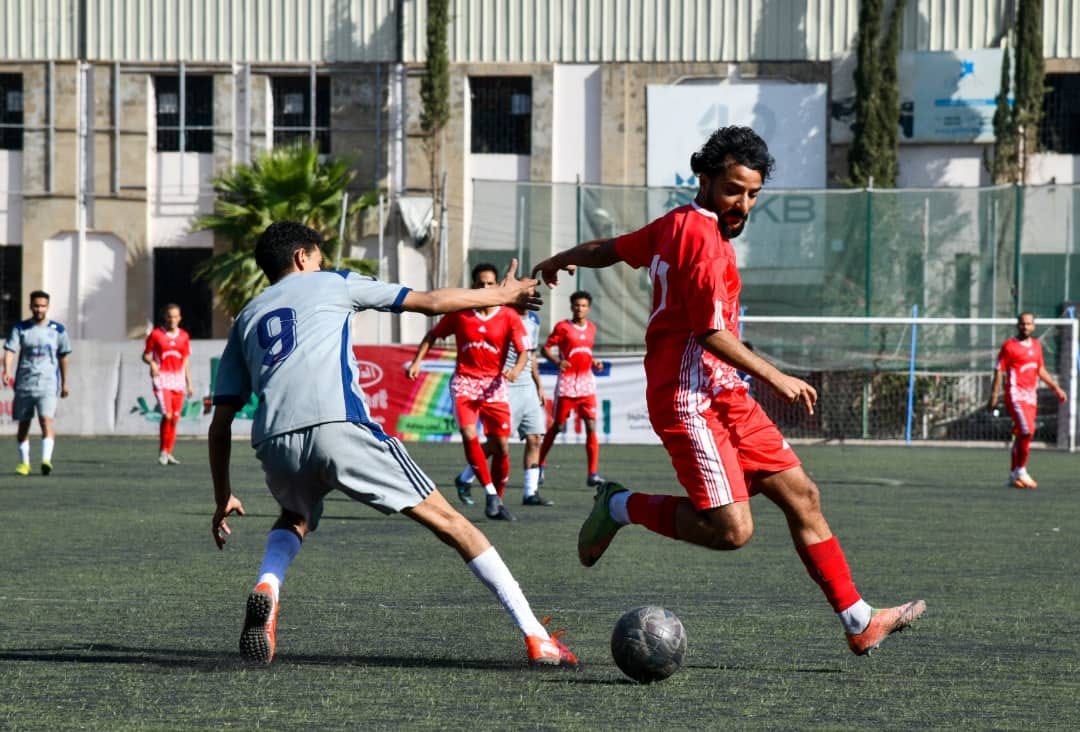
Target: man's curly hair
{"points": [[732, 145]]}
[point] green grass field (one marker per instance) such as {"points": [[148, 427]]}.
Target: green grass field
{"points": [[117, 611]]}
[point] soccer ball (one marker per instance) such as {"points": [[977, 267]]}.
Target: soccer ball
{"points": [[648, 643]]}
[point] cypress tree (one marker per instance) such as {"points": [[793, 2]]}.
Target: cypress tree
{"points": [[874, 147], [1004, 164], [1030, 81]]}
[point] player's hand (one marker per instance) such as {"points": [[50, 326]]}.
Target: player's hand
{"points": [[1061, 395], [509, 375], [597, 366], [8, 381], [521, 291], [219, 527], [549, 271], [413, 371], [63, 392], [796, 391], [564, 365]]}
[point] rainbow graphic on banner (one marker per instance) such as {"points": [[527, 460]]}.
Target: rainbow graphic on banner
{"points": [[428, 413]]}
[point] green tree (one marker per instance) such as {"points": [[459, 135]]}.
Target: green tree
{"points": [[874, 147], [1030, 81], [1003, 166], [1016, 128], [287, 183], [435, 113]]}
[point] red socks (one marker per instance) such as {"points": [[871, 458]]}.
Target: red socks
{"points": [[826, 564], [592, 452], [474, 453], [1020, 450], [655, 512]]}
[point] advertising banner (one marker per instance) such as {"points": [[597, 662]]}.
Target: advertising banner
{"points": [[110, 393], [945, 96], [789, 117]]}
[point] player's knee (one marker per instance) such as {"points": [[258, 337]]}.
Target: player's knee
{"points": [[728, 532]]}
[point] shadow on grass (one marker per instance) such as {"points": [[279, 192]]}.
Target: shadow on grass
{"points": [[95, 653]]}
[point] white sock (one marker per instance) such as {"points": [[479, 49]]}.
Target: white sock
{"points": [[282, 546], [490, 489], [24, 451], [855, 618], [532, 480], [617, 507], [489, 569], [47, 444], [467, 474]]}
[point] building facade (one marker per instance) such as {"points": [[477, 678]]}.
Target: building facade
{"points": [[117, 114]]}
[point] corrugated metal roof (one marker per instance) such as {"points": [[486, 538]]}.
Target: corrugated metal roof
{"points": [[38, 29], [262, 31], [595, 31], [499, 31]]}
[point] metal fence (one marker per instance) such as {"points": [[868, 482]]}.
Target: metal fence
{"points": [[961, 253]]}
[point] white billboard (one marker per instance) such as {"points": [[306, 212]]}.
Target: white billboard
{"points": [[789, 117], [945, 96]]}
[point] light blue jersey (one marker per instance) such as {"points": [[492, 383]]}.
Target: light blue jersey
{"points": [[531, 321], [40, 348], [315, 384]]}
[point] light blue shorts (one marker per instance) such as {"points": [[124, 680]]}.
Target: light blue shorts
{"points": [[23, 406], [527, 414], [365, 464]]}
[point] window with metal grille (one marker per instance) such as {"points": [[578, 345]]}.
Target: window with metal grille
{"points": [[198, 113], [292, 110], [175, 282], [1060, 128], [501, 114], [11, 112], [10, 287]]}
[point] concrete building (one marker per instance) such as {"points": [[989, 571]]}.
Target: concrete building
{"points": [[118, 113]]}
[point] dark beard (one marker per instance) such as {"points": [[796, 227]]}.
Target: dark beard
{"points": [[727, 231]]}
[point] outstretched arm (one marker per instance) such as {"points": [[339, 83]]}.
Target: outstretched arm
{"points": [[594, 254], [511, 291]]}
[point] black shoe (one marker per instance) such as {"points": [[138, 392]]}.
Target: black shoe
{"points": [[594, 481], [536, 500], [464, 490], [496, 511]]}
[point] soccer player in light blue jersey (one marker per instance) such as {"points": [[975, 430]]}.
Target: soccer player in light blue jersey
{"points": [[312, 431], [42, 346]]}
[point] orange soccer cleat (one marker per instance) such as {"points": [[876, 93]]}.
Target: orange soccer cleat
{"points": [[884, 623], [258, 639]]}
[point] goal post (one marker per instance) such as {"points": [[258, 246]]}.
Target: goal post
{"points": [[910, 379]]}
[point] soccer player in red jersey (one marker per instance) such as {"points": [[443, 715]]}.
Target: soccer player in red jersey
{"points": [[483, 337], [575, 390], [1020, 362], [168, 354], [722, 444]]}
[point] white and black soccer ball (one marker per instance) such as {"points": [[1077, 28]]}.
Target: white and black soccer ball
{"points": [[648, 643]]}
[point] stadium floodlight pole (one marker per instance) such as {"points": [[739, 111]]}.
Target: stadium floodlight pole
{"points": [[1018, 226], [911, 373]]}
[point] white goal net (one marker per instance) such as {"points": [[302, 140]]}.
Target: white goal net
{"points": [[910, 379]]}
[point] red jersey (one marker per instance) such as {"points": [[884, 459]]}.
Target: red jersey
{"points": [[1021, 361], [482, 344], [575, 344], [695, 291], [169, 353]]}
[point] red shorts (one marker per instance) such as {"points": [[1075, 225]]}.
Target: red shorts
{"points": [[495, 416], [565, 406], [170, 401], [1023, 417], [719, 452]]}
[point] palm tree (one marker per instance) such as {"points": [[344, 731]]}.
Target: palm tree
{"points": [[283, 184]]}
